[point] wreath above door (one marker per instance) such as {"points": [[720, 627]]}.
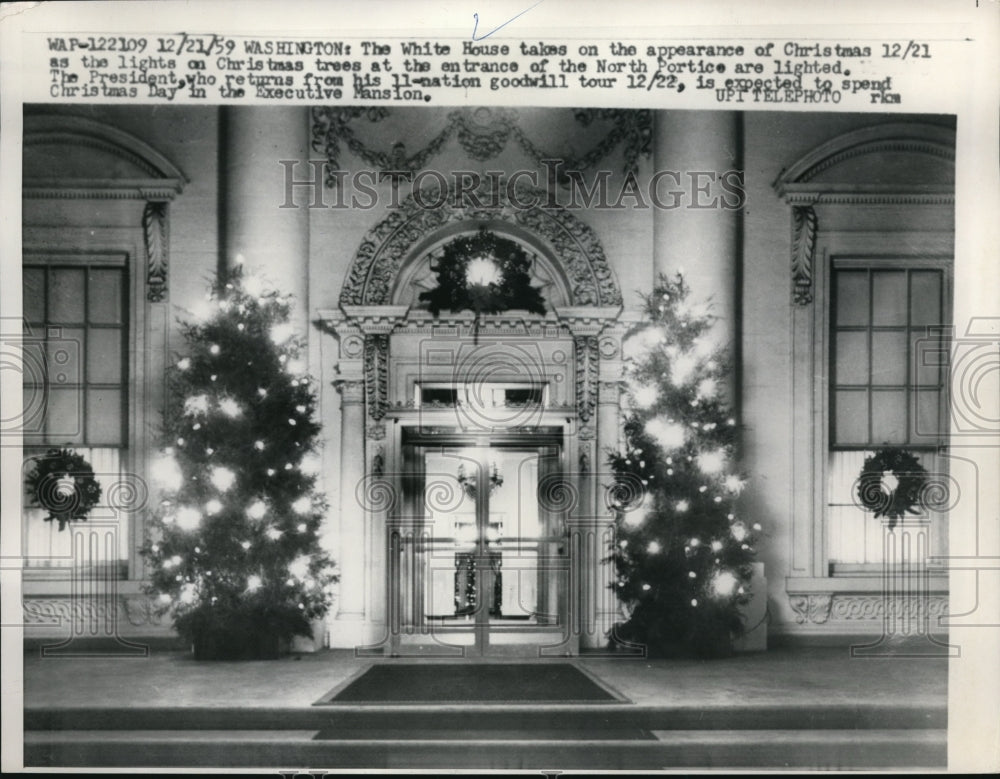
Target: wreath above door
{"points": [[483, 273]]}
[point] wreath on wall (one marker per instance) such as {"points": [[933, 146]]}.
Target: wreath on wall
{"points": [[892, 484], [62, 482], [483, 273]]}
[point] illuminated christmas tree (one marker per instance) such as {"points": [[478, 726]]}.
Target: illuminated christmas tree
{"points": [[234, 553], [682, 550]]}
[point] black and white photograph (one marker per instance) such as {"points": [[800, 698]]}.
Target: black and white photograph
{"points": [[361, 429]]}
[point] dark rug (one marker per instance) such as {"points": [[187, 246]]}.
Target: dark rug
{"points": [[472, 683]]}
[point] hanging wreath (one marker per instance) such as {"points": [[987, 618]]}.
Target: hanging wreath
{"points": [[483, 273], [63, 483], [892, 483]]}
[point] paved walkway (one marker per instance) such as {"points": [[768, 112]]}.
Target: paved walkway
{"points": [[777, 677]]}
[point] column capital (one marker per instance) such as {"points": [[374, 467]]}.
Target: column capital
{"points": [[352, 391]]}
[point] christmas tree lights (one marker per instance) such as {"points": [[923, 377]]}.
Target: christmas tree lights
{"points": [[234, 554], [682, 560]]}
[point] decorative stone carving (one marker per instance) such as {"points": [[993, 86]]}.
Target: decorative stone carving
{"points": [[587, 363], [137, 611], [819, 608], [874, 607], [811, 608], [392, 242], [483, 133], [154, 229], [377, 374], [803, 251], [587, 433], [584, 462], [351, 391], [375, 431]]}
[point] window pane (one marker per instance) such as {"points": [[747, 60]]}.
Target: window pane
{"points": [[104, 289], [926, 413], [104, 356], [889, 297], [66, 295], [929, 353], [889, 357], [32, 410], [852, 297], [851, 415], [33, 294], [889, 417], [64, 349], [925, 298], [64, 416], [851, 358], [104, 417], [33, 362]]}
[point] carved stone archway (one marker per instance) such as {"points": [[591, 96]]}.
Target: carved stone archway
{"points": [[557, 232]]}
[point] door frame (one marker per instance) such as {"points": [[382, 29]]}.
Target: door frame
{"points": [[412, 439]]}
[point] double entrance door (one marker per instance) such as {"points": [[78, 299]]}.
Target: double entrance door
{"points": [[479, 558]]}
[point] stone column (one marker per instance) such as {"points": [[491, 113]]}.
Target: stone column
{"points": [[352, 542], [702, 236], [273, 240], [595, 418]]}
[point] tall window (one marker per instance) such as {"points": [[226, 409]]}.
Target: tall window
{"points": [[886, 383], [75, 378]]}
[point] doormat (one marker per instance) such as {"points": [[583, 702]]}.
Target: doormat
{"points": [[388, 683]]}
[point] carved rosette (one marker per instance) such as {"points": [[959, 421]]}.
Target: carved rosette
{"points": [[803, 253], [154, 229], [811, 608]]}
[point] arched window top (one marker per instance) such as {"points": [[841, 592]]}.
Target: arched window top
{"points": [[882, 163], [89, 158]]}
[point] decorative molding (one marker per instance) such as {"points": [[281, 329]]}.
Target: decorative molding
{"points": [[352, 391], [587, 433], [803, 253], [154, 229], [66, 130], [587, 320], [483, 133], [872, 607], [99, 189], [587, 364], [906, 137], [820, 608], [375, 320], [403, 235], [377, 374], [851, 194], [811, 608], [375, 431], [137, 611]]}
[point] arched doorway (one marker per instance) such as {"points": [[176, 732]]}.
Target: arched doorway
{"points": [[480, 514]]}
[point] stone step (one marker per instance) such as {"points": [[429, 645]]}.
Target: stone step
{"points": [[829, 716], [732, 749]]}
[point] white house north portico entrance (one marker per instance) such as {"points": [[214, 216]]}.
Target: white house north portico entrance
{"points": [[471, 502]]}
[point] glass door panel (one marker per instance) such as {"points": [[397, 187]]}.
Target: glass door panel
{"points": [[484, 562]]}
